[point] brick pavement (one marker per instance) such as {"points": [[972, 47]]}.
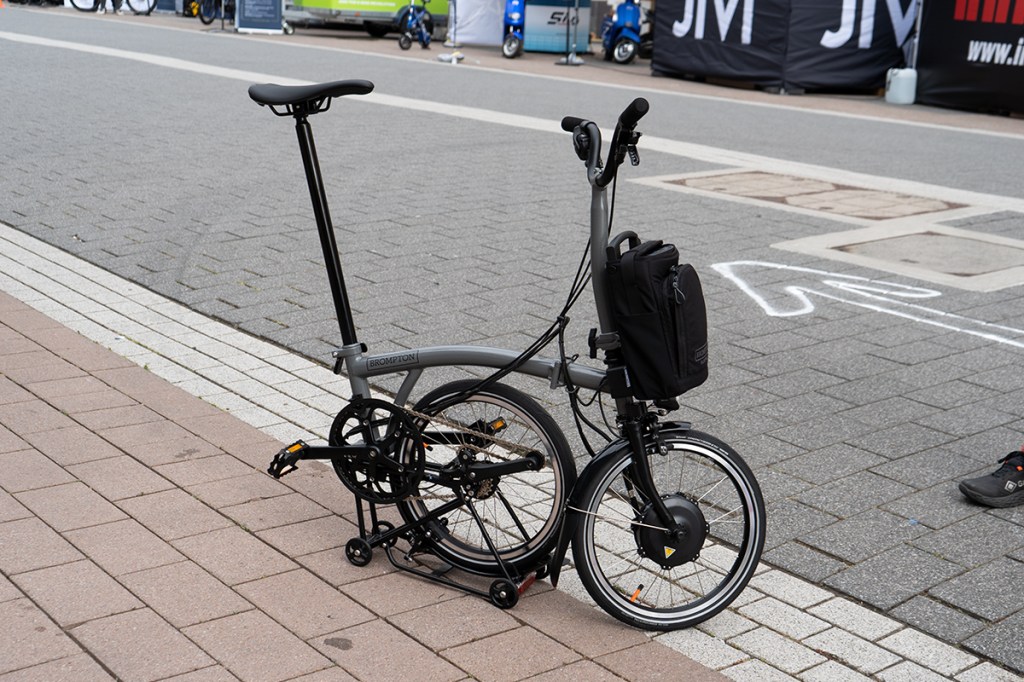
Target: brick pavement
{"points": [[140, 540]]}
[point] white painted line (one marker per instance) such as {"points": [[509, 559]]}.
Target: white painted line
{"points": [[689, 150], [632, 88]]}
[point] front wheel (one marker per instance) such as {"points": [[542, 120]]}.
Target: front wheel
{"points": [[144, 7], [521, 512], [207, 11], [625, 51], [644, 576], [86, 5], [512, 47]]}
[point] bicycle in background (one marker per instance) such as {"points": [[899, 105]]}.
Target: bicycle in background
{"points": [[211, 9], [416, 23], [143, 7]]}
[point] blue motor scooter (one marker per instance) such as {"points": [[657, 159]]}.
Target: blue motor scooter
{"points": [[515, 19], [620, 33]]}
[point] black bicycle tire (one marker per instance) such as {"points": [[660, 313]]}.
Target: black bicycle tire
{"points": [[618, 595], [208, 11], [147, 6], [87, 5], [558, 476]]}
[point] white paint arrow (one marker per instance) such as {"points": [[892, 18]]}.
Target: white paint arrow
{"points": [[876, 295]]}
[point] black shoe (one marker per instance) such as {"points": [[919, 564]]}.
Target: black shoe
{"points": [[1004, 487]]}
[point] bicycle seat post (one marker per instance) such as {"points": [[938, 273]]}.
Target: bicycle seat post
{"points": [[318, 197]]}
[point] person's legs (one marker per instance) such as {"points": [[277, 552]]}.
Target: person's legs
{"points": [[1004, 487]]}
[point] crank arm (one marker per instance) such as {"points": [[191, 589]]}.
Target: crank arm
{"points": [[284, 462]]}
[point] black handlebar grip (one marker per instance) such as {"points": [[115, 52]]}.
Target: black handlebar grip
{"points": [[633, 113], [569, 123]]}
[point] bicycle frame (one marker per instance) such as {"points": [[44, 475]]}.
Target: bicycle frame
{"points": [[639, 427]]}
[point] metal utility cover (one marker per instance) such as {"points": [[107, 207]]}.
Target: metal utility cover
{"points": [[934, 253]]}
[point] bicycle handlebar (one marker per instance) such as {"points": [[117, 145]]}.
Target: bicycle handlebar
{"points": [[632, 114], [622, 137], [570, 123]]}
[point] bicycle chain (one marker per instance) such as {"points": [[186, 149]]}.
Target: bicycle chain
{"points": [[514, 448]]}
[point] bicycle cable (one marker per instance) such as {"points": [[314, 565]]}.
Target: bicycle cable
{"points": [[556, 330]]}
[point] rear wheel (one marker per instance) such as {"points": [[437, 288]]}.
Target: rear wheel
{"points": [[405, 41], [86, 5], [522, 511]]}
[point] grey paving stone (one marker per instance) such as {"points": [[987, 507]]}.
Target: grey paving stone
{"points": [[863, 536], [982, 591], [925, 469], [967, 420], [823, 432], [952, 394], [1001, 643], [891, 412], [899, 441], [935, 507], [974, 541], [787, 520], [853, 494], [908, 571], [779, 487], [798, 408], [803, 561], [828, 464], [933, 617]]}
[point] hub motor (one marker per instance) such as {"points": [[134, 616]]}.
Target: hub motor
{"points": [[671, 549]]}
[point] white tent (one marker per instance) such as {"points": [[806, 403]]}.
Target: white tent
{"points": [[476, 22]]}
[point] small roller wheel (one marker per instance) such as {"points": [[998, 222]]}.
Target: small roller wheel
{"points": [[504, 594], [358, 552]]}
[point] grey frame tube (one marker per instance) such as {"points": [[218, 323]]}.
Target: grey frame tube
{"points": [[359, 367]]}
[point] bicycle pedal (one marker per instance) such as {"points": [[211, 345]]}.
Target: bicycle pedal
{"points": [[527, 582], [284, 461]]}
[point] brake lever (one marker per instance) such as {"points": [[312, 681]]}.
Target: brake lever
{"points": [[581, 143]]}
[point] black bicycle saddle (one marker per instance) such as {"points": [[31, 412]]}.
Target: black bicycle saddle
{"points": [[297, 95]]}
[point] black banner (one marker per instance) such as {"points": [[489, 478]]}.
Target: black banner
{"points": [[737, 40], [971, 55], [795, 44]]}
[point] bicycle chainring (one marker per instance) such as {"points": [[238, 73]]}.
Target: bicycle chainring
{"points": [[393, 469]]}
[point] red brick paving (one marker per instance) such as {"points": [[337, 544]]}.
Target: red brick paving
{"points": [[140, 539]]}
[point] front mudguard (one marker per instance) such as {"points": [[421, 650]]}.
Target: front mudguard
{"points": [[572, 516]]}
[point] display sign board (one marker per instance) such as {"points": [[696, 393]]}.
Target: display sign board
{"points": [[555, 26], [259, 16], [791, 44], [971, 55]]}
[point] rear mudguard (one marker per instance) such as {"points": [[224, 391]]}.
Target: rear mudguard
{"points": [[583, 483]]}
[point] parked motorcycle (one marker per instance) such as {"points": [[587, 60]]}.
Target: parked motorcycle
{"points": [[620, 33], [515, 18]]}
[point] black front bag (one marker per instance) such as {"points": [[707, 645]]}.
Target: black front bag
{"points": [[658, 310]]}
